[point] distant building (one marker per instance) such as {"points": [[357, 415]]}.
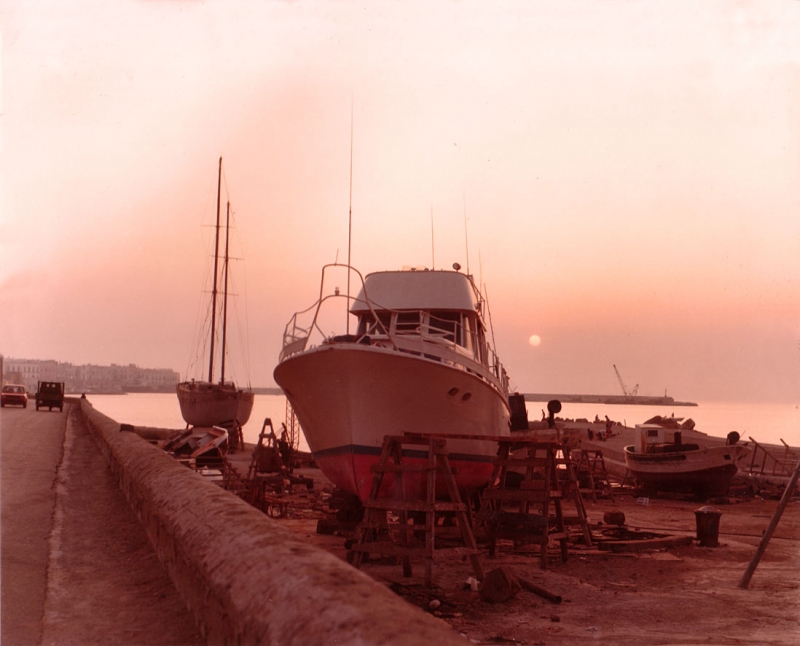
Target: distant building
{"points": [[89, 377]]}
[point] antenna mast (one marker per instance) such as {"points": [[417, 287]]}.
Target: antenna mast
{"points": [[466, 238], [349, 219], [433, 257]]}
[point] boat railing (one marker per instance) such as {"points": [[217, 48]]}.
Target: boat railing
{"points": [[765, 462], [463, 345], [458, 338], [296, 337]]}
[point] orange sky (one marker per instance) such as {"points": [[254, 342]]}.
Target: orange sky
{"points": [[631, 176]]}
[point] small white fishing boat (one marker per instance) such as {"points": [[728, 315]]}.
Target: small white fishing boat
{"points": [[662, 461], [216, 403], [419, 361]]}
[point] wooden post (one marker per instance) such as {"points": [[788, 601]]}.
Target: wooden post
{"points": [[762, 547]]}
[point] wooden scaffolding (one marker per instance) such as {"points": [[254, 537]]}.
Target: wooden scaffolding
{"points": [[387, 527], [523, 501]]}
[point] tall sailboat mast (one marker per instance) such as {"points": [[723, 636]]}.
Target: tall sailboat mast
{"points": [[225, 295], [214, 289]]}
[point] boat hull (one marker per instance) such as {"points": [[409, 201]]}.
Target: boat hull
{"points": [[206, 404], [707, 471], [347, 397]]}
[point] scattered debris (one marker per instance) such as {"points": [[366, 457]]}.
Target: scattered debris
{"points": [[530, 586], [614, 518], [499, 585]]}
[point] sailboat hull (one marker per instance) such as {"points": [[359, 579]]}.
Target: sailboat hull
{"points": [[206, 404]]}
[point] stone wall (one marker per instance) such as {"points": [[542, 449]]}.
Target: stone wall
{"points": [[245, 578]]}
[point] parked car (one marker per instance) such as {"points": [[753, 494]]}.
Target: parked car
{"points": [[13, 394], [50, 394]]}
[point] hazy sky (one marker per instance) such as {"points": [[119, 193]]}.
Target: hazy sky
{"points": [[630, 174]]}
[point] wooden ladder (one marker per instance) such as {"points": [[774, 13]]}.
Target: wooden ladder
{"points": [[401, 535], [265, 477], [548, 479], [260, 447], [570, 489], [592, 466]]}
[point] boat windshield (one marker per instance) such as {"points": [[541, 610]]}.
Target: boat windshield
{"points": [[459, 328], [368, 325]]}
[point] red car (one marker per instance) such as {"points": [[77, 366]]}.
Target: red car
{"points": [[13, 394]]}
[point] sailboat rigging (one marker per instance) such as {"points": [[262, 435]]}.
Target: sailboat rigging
{"points": [[210, 403]]}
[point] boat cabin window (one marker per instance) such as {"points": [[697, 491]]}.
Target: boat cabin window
{"points": [[368, 325], [471, 338], [446, 325], [407, 322]]}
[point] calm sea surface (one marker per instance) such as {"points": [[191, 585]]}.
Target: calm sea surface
{"points": [[768, 423]]}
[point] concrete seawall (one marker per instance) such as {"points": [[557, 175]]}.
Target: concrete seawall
{"points": [[246, 579]]}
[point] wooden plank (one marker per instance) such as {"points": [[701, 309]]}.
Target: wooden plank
{"points": [[573, 520], [393, 549], [413, 505], [521, 495], [522, 462], [645, 544], [522, 537], [500, 518], [530, 586]]}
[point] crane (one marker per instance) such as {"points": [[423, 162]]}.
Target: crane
{"points": [[622, 384]]}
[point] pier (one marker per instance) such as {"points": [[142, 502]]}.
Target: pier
{"points": [[625, 400]]}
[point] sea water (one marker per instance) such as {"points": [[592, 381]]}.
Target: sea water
{"points": [[768, 423], [161, 410]]}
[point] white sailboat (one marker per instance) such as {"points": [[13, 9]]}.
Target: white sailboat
{"points": [[216, 403]]}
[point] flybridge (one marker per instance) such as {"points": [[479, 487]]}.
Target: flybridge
{"points": [[417, 290]]}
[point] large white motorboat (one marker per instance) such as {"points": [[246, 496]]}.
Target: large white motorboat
{"points": [[419, 361], [216, 403], [662, 461]]}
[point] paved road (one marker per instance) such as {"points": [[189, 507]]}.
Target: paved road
{"points": [[30, 451], [76, 565]]}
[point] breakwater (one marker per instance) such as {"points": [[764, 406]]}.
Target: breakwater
{"points": [[244, 577], [626, 400]]}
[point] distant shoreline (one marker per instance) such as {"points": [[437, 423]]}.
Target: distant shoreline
{"points": [[628, 400]]}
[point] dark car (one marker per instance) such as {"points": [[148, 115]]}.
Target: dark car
{"points": [[14, 395], [50, 394]]}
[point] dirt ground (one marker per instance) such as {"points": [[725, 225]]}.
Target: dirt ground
{"points": [[680, 595]]}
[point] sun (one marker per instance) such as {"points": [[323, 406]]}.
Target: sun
{"points": [[535, 340]]}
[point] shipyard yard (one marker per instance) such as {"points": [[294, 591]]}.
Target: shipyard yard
{"points": [[680, 595], [97, 579]]}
